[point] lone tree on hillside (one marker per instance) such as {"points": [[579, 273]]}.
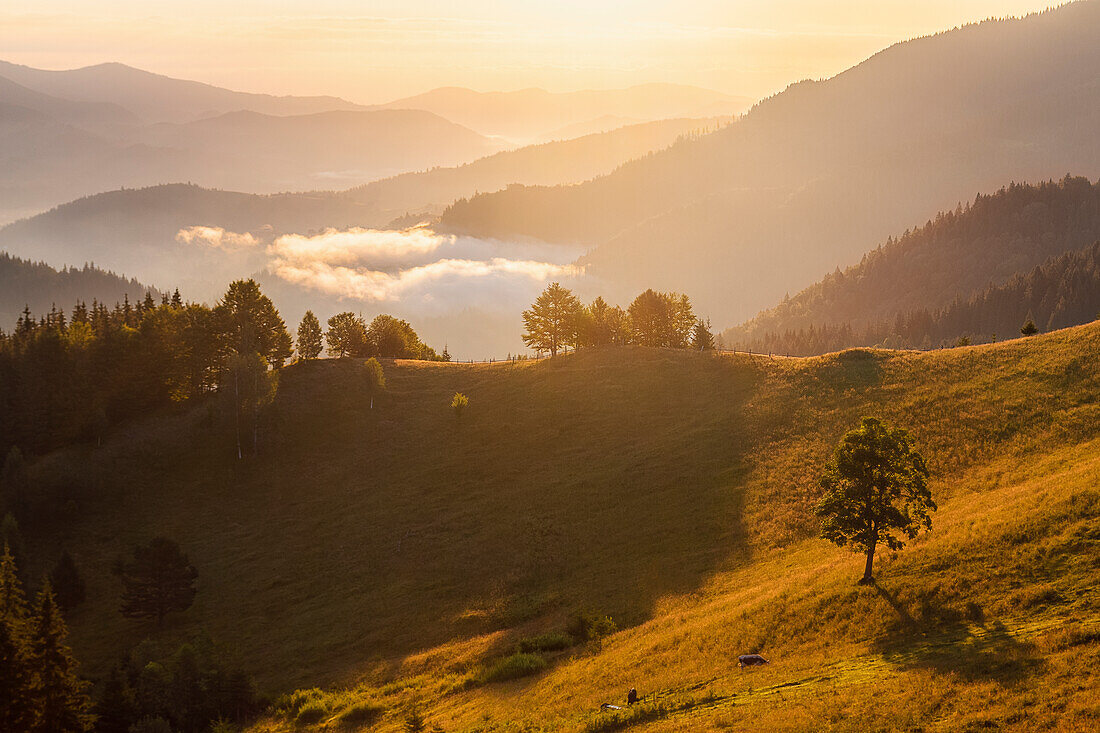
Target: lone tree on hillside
{"points": [[374, 379], [1029, 328], [875, 490], [552, 321], [309, 337], [158, 580]]}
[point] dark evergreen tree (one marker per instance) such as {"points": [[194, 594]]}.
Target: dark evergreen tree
{"points": [[61, 703], [157, 580], [116, 710], [309, 337], [13, 600], [67, 584], [1029, 328], [16, 680], [702, 339], [249, 323]]}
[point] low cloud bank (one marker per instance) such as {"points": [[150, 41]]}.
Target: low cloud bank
{"points": [[216, 238], [414, 271]]}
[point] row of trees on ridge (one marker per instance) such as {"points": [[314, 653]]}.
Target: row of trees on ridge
{"points": [[557, 320]]}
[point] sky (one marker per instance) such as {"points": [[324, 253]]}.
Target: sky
{"points": [[380, 50]]}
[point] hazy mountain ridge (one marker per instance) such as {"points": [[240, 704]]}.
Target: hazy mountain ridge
{"points": [[159, 98], [36, 285], [530, 114], [1064, 291], [952, 258], [130, 229], [562, 161], [812, 177], [57, 150]]}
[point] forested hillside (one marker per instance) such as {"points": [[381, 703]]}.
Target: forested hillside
{"points": [[39, 287], [1064, 291], [1022, 252], [815, 176]]}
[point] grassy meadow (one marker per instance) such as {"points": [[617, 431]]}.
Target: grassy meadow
{"points": [[395, 557]]}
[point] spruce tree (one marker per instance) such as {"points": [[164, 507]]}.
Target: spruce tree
{"points": [[16, 681], [309, 337], [67, 583], [13, 601], [116, 709], [60, 700], [702, 339]]}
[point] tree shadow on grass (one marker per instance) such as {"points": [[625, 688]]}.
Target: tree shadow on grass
{"points": [[939, 638]]}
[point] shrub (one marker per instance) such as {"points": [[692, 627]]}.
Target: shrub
{"points": [[459, 403], [552, 641], [620, 719], [592, 627], [151, 725], [313, 711], [414, 722], [290, 704], [362, 713], [1039, 595], [513, 667]]}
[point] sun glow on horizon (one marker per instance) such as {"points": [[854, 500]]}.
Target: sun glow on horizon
{"points": [[387, 49]]}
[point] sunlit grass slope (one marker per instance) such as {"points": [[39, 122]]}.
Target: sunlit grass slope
{"points": [[398, 552]]}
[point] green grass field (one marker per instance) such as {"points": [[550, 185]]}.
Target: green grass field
{"points": [[392, 556]]}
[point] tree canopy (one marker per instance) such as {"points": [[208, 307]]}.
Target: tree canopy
{"points": [[309, 337], [157, 580], [553, 319], [875, 491]]}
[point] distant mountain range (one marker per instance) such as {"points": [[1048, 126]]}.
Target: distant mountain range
{"points": [[1022, 252], [66, 134], [152, 98], [531, 115], [135, 230], [54, 149], [817, 175]]}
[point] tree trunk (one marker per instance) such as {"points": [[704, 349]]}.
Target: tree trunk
{"points": [[237, 409], [868, 579]]}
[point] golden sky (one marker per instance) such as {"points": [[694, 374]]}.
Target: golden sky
{"points": [[382, 49]]}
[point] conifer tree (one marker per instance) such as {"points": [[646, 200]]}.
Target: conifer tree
{"points": [[13, 601], [702, 339], [67, 583], [16, 680], [157, 581], [309, 337], [116, 709], [61, 704]]}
